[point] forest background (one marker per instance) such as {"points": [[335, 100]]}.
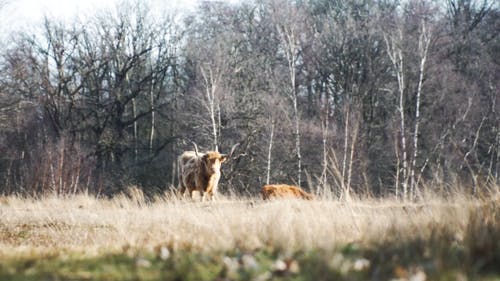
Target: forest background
{"points": [[378, 97]]}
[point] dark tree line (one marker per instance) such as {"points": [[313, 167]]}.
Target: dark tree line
{"points": [[382, 97]]}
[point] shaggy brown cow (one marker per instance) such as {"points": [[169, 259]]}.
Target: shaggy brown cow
{"points": [[284, 191], [200, 172]]}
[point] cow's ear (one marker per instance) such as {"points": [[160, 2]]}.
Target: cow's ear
{"points": [[223, 158], [205, 157]]}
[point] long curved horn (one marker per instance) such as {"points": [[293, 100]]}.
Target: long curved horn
{"points": [[195, 149], [233, 149]]}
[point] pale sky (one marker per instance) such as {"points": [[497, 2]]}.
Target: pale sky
{"points": [[24, 14]]}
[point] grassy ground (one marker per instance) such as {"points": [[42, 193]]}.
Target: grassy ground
{"points": [[84, 238]]}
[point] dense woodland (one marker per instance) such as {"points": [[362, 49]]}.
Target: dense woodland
{"points": [[383, 97]]}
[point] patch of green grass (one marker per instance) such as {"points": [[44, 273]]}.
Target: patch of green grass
{"points": [[403, 260], [120, 266]]}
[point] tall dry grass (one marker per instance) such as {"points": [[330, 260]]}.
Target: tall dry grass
{"points": [[83, 223]]}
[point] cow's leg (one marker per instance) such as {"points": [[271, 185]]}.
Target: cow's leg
{"points": [[210, 192], [207, 196], [182, 191], [211, 196]]}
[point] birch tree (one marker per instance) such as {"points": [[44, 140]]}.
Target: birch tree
{"points": [[408, 42], [424, 41], [269, 151], [325, 125], [211, 79], [394, 45], [289, 28]]}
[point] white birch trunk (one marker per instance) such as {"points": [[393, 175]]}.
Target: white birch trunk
{"points": [[297, 141], [152, 131], [214, 123], [398, 166], [324, 178], [423, 47], [60, 173], [473, 149], [210, 90], [346, 141], [289, 40], [497, 168], [396, 55], [402, 127], [351, 157], [269, 152], [134, 113], [218, 125], [325, 125]]}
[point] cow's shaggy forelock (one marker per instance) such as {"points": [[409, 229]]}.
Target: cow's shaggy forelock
{"points": [[211, 162]]}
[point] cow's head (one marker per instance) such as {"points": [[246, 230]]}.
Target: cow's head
{"points": [[212, 160]]}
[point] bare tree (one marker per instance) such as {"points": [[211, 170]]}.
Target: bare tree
{"points": [[394, 43], [325, 127], [269, 151], [211, 80], [354, 139], [424, 41], [288, 20]]}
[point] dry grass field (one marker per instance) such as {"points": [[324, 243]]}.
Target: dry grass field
{"points": [[126, 238]]}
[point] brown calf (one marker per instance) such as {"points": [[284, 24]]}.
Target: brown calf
{"points": [[284, 191], [200, 172]]}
